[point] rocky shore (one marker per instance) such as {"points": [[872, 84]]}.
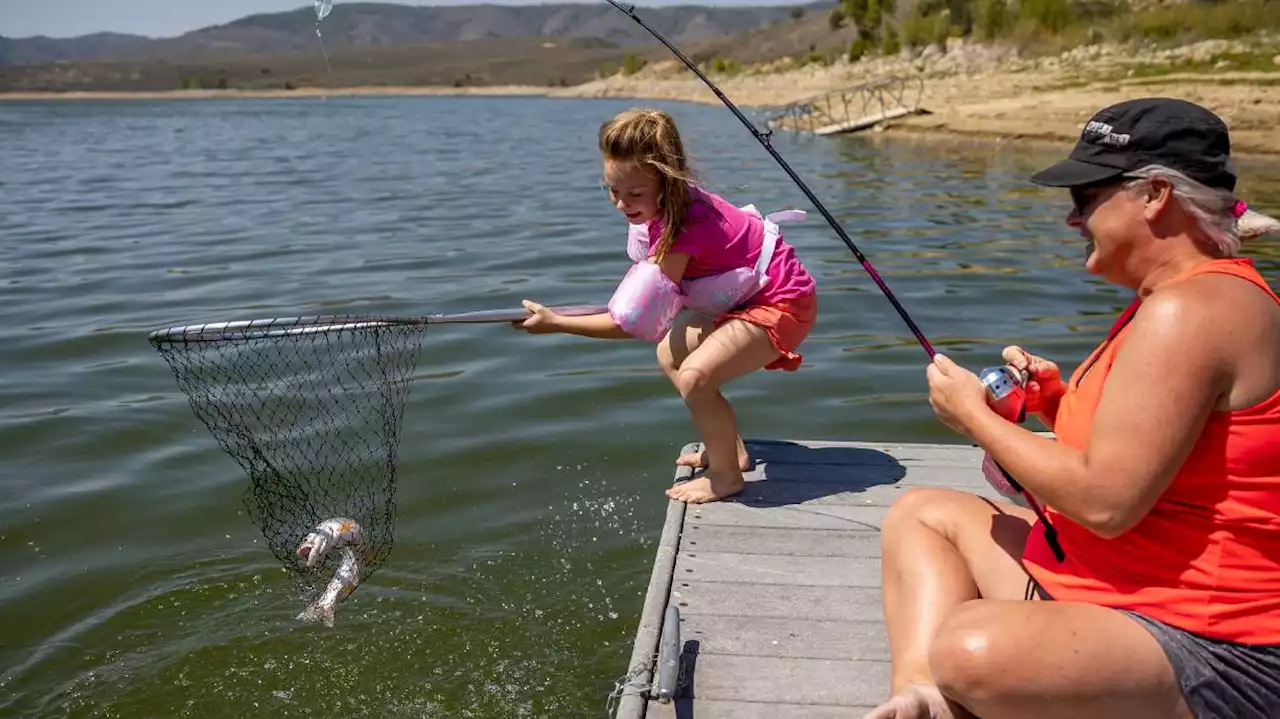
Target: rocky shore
{"points": [[994, 92]]}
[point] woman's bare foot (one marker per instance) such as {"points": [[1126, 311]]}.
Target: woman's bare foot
{"points": [[915, 701], [707, 488], [698, 460]]}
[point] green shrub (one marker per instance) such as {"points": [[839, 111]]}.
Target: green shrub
{"points": [[918, 30], [1051, 15], [992, 19], [632, 64], [858, 48], [891, 44], [725, 67]]}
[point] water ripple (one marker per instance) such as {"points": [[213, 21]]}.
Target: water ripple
{"points": [[531, 469]]}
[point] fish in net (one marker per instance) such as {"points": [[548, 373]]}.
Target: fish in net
{"points": [[312, 409]]}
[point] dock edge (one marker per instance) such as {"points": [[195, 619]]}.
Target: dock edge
{"points": [[634, 689]]}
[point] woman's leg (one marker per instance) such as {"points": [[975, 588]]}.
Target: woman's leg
{"points": [[1005, 659], [731, 350], [963, 637], [940, 549], [685, 336]]}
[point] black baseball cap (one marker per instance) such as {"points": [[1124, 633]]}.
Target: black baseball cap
{"points": [[1130, 135]]}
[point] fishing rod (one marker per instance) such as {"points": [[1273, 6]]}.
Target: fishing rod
{"points": [[763, 138]]}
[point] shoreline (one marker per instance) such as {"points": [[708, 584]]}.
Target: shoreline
{"points": [[301, 92], [967, 101]]}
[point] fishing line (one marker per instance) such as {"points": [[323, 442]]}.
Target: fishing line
{"points": [[323, 8], [763, 138]]}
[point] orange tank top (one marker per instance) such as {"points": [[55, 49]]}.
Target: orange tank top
{"points": [[1207, 557]]}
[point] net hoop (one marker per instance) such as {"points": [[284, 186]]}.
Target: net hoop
{"points": [[275, 327], [287, 326]]}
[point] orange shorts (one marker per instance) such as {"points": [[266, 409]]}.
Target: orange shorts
{"points": [[788, 322]]}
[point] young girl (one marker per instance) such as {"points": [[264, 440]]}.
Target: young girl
{"points": [[693, 234]]}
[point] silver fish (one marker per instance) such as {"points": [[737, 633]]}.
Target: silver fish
{"points": [[342, 534], [330, 534], [344, 582]]}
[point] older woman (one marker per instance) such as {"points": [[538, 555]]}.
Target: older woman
{"points": [[1162, 481]]}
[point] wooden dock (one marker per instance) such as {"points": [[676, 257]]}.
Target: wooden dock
{"points": [[854, 108], [778, 589]]}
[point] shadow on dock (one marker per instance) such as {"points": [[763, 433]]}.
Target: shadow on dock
{"points": [[786, 473]]}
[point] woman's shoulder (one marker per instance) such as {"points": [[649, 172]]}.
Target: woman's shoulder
{"points": [[1207, 312], [1220, 287]]}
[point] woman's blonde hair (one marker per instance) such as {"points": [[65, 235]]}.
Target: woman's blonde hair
{"points": [[1215, 210], [650, 139]]}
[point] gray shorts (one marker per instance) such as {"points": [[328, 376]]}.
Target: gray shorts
{"points": [[1219, 680]]}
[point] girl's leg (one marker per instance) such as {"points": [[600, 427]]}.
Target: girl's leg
{"points": [[963, 637], [686, 336], [732, 350]]}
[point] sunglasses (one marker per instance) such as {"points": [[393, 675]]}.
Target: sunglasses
{"points": [[1084, 197]]}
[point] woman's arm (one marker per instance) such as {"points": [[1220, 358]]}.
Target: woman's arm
{"points": [[1174, 366]]}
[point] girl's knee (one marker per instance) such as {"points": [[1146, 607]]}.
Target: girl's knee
{"points": [[666, 358], [690, 381]]}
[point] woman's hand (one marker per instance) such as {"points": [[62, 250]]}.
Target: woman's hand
{"points": [[955, 393], [1044, 381], [542, 321]]}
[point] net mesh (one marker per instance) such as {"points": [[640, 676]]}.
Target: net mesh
{"points": [[311, 410]]}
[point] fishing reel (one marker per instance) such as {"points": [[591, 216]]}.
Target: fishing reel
{"points": [[1007, 396], [1006, 392]]}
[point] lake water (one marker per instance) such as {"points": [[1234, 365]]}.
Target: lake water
{"points": [[132, 582]]}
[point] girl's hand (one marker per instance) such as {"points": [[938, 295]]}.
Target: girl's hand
{"points": [[955, 393], [1044, 380], [543, 321]]}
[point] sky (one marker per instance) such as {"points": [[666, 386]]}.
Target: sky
{"points": [[166, 18]]}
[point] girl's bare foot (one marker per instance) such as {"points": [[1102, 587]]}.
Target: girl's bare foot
{"points": [[707, 488], [698, 460], [915, 701]]}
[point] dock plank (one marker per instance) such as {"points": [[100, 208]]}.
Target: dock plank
{"points": [[857, 479], [789, 681], [797, 516], [786, 637], [778, 600], [712, 709], [801, 542], [787, 569], [778, 589]]}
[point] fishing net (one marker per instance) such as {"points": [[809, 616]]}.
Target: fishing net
{"points": [[311, 409]]}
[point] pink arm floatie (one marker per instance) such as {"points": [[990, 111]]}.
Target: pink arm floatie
{"points": [[646, 302]]}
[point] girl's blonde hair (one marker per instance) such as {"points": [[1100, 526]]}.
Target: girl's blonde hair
{"points": [[650, 139]]}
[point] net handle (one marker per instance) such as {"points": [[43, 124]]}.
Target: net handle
{"points": [[283, 326]]}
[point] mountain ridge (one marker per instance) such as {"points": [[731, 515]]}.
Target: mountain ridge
{"points": [[370, 24]]}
